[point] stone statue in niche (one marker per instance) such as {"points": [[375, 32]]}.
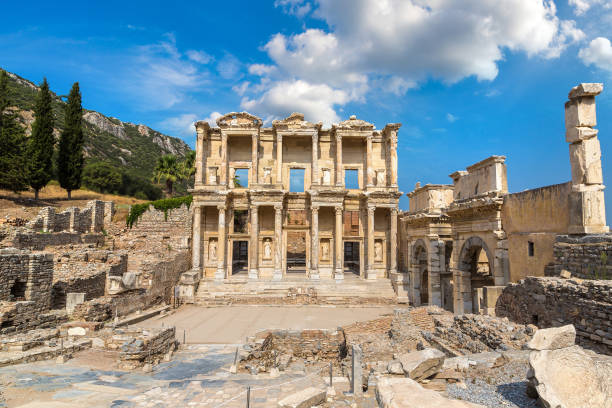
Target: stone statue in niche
{"points": [[267, 249], [378, 251], [267, 175], [325, 250], [212, 250], [380, 178], [326, 177]]}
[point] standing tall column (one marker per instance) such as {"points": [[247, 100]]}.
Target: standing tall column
{"points": [[196, 240], [199, 169], [371, 273], [369, 170], [279, 159], [314, 253], [254, 158], [393, 242], [339, 275], [315, 159], [254, 252], [220, 274], [278, 242], [393, 157], [339, 180], [223, 170]]}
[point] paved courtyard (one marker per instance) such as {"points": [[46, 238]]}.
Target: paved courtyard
{"points": [[232, 324]]}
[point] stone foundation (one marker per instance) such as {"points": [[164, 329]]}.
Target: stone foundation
{"points": [[552, 302]]}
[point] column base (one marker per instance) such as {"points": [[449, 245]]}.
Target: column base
{"points": [[220, 274], [278, 275], [253, 274], [314, 275], [339, 275], [371, 275]]}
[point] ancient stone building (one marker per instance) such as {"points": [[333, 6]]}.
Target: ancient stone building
{"points": [[461, 243], [294, 199]]}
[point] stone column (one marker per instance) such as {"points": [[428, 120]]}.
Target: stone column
{"points": [[254, 158], [278, 242], [369, 170], [371, 273], [314, 179], [587, 206], [254, 252], [435, 266], [339, 179], [220, 274], [223, 169], [196, 240], [279, 159], [393, 157], [339, 275], [199, 169], [314, 252], [393, 242], [356, 371]]}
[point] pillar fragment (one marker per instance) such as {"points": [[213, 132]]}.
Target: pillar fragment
{"points": [[339, 273], [223, 169], [393, 242], [254, 253], [369, 169], [279, 159], [278, 238], [254, 158], [220, 273]]}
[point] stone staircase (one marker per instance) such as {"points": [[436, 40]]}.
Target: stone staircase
{"points": [[352, 291]]}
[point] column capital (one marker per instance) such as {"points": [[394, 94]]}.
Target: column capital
{"points": [[254, 206], [314, 208], [369, 136], [315, 135], [338, 137], [371, 209], [338, 209], [278, 207], [222, 207], [394, 211], [279, 137]]}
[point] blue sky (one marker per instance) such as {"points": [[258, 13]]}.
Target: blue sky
{"points": [[466, 78]]}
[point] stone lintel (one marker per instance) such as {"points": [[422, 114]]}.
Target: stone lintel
{"points": [[586, 89]]}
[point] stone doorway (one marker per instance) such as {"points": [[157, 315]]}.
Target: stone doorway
{"points": [[296, 252], [352, 257], [476, 272], [240, 257]]}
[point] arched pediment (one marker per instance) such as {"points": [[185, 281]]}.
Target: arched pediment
{"points": [[240, 120]]}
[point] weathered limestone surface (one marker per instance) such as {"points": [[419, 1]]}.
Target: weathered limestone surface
{"points": [[308, 397], [553, 338], [422, 364], [407, 393], [587, 256]]}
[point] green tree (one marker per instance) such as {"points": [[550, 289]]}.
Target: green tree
{"points": [[40, 146], [12, 143], [70, 157], [102, 177], [168, 170]]}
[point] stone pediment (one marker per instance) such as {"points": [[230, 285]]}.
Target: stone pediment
{"points": [[295, 121], [239, 120], [354, 124]]}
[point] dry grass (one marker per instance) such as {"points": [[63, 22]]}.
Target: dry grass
{"points": [[23, 205]]}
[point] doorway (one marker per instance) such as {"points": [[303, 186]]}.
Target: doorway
{"points": [[296, 252], [240, 257], [351, 257]]}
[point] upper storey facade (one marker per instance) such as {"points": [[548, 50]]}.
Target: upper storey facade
{"points": [[351, 155]]}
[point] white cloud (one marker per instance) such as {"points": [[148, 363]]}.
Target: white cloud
{"points": [[285, 97], [598, 53], [212, 118], [396, 44], [199, 56], [298, 8], [582, 6], [451, 118], [180, 125], [228, 67]]}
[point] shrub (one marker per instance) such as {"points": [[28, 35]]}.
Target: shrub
{"points": [[161, 205], [102, 177]]}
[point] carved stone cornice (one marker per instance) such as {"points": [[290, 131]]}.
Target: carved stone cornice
{"points": [[239, 120]]}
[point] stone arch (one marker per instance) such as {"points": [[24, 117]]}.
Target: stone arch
{"points": [[476, 269], [419, 273]]}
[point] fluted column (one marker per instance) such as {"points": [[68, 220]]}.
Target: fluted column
{"points": [[223, 169], [369, 169], [314, 250], [278, 242], [254, 252], [254, 158], [279, 159], [393, 242], [315, 159], [339, 245], [339, 179], [393, 157], [196, 240], [371, 274], [199, 162], [220, 274]]}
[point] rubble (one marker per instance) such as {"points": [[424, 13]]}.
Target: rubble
{"points": [[407, 393]]}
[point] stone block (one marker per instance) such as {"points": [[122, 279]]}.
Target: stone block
{"points": [[491, 294], [72, 300], [580, 112], [587, 212], [553, 338], [407, 393], [586, 89], [577, 134], [422, 364], [585, 158], [306, 398]]}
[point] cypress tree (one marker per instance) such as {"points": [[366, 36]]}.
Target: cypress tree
{"points": [[40, 146], [70, 157], [12, 144]]}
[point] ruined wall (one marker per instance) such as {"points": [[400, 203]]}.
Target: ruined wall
{"points": [[535, 216], [173, 229], [92, 218], [24, 239], [481, 178], [587, 256], [552, 302]]}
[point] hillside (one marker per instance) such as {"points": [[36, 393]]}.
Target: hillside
{"points": [[131, 147]]}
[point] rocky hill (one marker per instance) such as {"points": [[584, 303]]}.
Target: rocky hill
{"points": [[134, 148]]}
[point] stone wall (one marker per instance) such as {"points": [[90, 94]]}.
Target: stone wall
{"points": [[25, 239], [552, 302], [588, 256], [92, 218]]}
